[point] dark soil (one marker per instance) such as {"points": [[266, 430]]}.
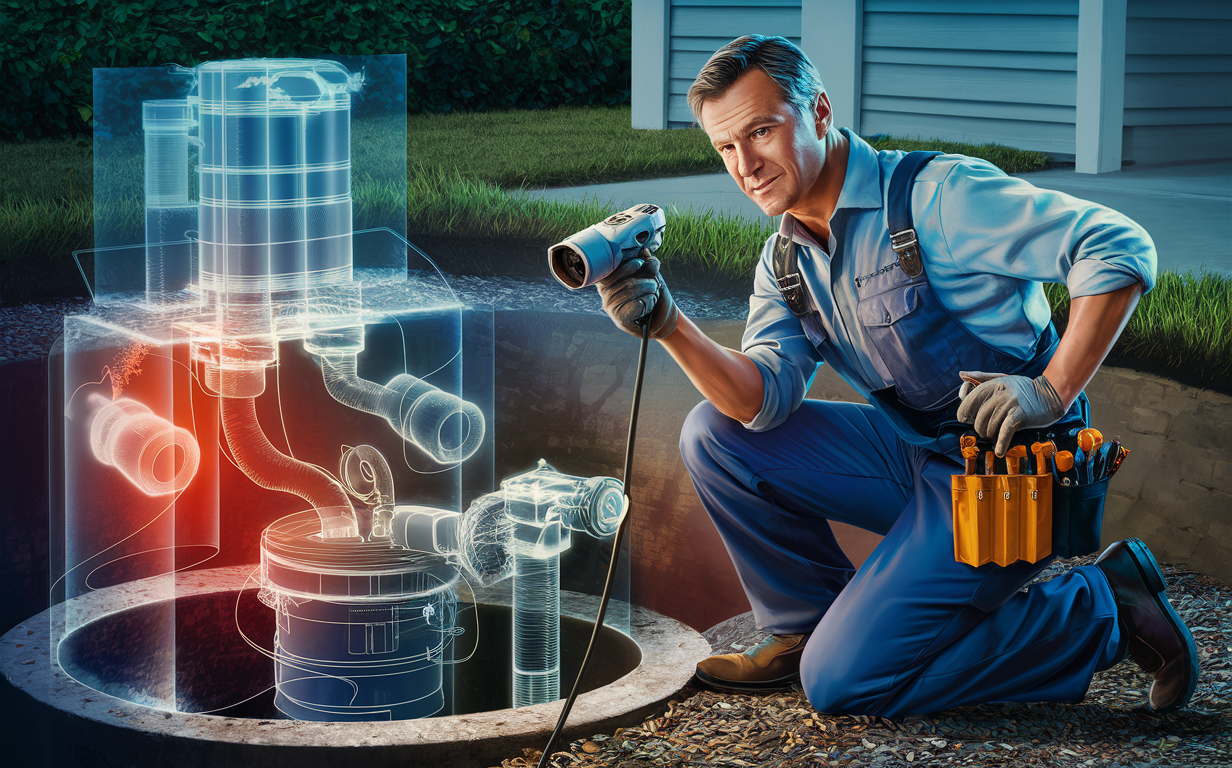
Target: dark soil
{"points": [[33, 279]]}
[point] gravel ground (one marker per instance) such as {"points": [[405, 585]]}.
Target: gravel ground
{"points": [[1111, 727], [28, 330]]}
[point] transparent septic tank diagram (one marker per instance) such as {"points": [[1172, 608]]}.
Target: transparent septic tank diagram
{"points": [[258, 376]]}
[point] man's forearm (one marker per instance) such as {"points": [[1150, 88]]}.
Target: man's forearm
{"points": [[1095, 322], [728, 379]]}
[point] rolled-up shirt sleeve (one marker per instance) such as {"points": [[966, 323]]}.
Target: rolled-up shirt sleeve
{"points": [[775, 341], [999, 224]]}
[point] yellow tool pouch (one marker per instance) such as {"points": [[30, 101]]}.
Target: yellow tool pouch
{"points": [[1002, 518], [1006, 518]]}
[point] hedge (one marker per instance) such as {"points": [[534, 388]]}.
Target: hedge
{"points": [[462, 55]]}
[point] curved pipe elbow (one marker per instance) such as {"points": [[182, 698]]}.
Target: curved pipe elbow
{"points": [[270, 468]]}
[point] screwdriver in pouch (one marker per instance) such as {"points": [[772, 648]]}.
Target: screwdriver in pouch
{"points": [[1099, 464], [1122, 452], [970, 453], [989, 459], [1089, 440], [1043, 452]]}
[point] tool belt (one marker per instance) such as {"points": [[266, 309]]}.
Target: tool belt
{"points": [[1054, 507]]}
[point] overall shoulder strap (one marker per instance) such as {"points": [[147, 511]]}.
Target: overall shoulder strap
{"points": [[788, 276], [898, 211]]}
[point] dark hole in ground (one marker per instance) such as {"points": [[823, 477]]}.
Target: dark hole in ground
{"points": [[217, 670]]}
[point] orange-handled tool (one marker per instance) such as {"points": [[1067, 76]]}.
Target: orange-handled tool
{"points": [[1089, 439], [1013, 456], [966, 441], [1122, 452], [989, 458], [1065, 462], [970, 453], [1043, 452]]}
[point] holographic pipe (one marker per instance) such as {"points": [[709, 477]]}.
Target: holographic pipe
{"points": [[270, 468]]}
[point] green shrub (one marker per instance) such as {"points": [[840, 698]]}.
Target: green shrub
{"points": [[461, 54]]}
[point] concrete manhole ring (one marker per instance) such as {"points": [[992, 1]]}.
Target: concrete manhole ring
{"points": [[71, 720]]}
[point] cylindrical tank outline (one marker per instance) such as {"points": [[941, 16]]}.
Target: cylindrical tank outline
{"points": [[374, 619]]}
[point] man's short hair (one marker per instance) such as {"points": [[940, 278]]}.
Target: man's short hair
{"points": [[797, 78]]}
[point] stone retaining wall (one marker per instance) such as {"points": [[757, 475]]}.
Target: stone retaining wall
{"points": [[1175, 489]]}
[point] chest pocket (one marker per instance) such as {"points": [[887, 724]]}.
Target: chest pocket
{"points": [[913, 334]]}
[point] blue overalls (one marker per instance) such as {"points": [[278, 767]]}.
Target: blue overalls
{"points": [[912, 630]]}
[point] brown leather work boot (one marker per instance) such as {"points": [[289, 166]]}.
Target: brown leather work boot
{"points": [[1158, 640], [771, 665]]}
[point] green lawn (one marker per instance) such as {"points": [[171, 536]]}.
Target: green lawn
{"points": [[464, 171], [560, 147]]}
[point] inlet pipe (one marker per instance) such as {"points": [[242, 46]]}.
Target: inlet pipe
{"points": [[446, 427], [270, 468], [154, 454]]}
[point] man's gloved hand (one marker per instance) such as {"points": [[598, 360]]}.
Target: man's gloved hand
{"points": [[636, 290], [1004, 404]]}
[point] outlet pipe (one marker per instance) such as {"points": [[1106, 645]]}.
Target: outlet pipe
{"points": [[446, 427], [546, 507]]}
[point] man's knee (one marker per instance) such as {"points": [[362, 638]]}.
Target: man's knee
{"points": [[837, 686], [704, 428]]}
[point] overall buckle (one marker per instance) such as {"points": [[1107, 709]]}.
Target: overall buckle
{"points": [[793, 293], [907, 246]]}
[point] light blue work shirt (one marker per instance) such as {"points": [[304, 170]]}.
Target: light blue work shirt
{"points": [[988, 242]]}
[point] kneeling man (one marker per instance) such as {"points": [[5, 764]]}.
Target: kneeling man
{"points": [[957, 288]]}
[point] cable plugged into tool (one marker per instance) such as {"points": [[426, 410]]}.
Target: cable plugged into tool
{"points": [[627, 478], [583, 259]]}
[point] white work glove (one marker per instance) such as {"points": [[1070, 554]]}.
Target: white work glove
{"points": [[1004, 404], [636, 290]]}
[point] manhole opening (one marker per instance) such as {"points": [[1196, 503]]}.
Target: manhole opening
{"points": [[213, 654]]}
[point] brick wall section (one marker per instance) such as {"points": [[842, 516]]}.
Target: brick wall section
{"points": [[1174, 490]]}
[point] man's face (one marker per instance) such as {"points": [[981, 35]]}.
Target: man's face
{"points": [[771, 152]]}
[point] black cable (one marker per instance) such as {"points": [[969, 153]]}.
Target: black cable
{"points": [[611, 568]]}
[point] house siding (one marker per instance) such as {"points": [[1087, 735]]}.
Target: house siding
{"points": [[972, 71], [700, 27], [1005, 72], [1178, 80]]}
